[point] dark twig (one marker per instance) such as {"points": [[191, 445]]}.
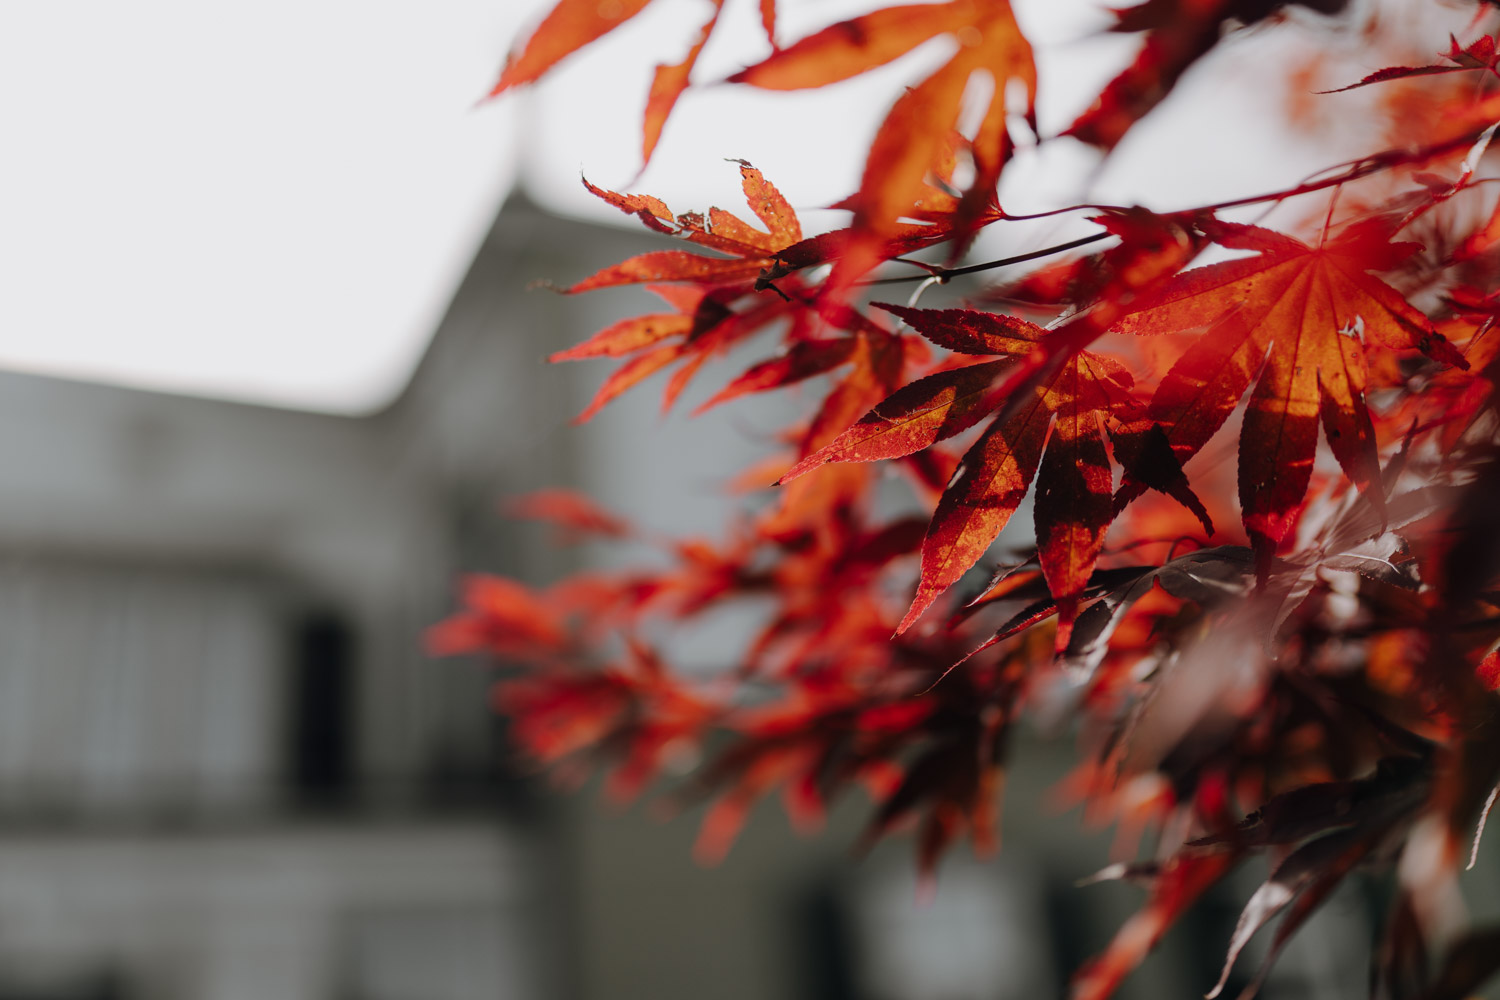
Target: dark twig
{"points": [[942, 274]]}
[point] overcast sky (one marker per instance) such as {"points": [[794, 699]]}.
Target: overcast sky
{"points": [[274, 202]]}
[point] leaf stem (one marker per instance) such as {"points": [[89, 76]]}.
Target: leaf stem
{"points": [[1328, 219]]}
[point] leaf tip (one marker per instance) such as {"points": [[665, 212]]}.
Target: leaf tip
{"points": [[802, 468], [1438, 348], [1067, 613]]}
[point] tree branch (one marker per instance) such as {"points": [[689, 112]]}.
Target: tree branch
{"points": [[942, 274]]}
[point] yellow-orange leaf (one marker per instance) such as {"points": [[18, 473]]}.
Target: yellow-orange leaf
{"points": [[852, 47], [768, 20], [570, 26], [667, 85], [914, 139], [671, 265]]}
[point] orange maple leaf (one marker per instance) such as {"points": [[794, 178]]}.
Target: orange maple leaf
{"points": [[750, 250], [572, 24], [1056, 435], [914, 139], [568, 27]]}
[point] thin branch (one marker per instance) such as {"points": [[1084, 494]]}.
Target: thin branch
{"points": [[942, 274], [1371, 164], [952, 272], [1363, 167], [1356, 169], [929, 268], [1086, 207], [1328, 219]]}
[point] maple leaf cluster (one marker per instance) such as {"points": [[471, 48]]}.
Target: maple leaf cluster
{"points": [[1298, 656]]}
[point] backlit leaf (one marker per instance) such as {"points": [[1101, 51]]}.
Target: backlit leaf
{"points": [[855, 46], [993, 479], [915, 416], [569, 26], [768, 20], [667, 85], [1297, 321], [803, 361]]}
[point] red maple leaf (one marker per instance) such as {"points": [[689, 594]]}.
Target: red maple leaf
{"points": [[1056, 435], [1178, 34], [706, 322], [1480, 54], [1296, 321], [747, 250]]}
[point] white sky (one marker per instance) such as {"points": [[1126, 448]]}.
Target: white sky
{"points": [[266, 201], [274, 202]]}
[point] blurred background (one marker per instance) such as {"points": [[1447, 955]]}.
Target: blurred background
{"points": [[272, 362], [228, 771]]}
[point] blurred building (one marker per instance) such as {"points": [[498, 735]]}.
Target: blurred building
{"points": [[228, 772], [227, 769]]}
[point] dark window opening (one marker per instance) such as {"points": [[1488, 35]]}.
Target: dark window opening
{"points": [[321, 691]]}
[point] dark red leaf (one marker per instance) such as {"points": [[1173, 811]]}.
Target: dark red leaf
{"points": [[803, 361], [915, 416]]}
